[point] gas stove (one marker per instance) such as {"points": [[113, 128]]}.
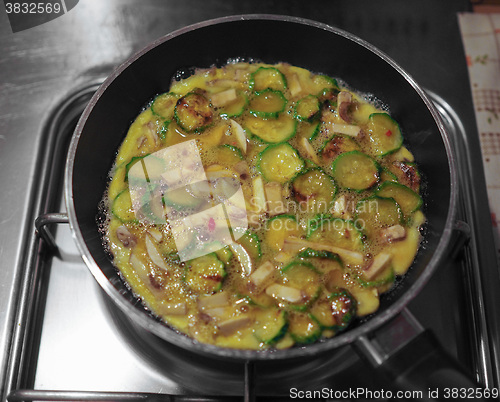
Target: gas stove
{"points": [[62, 339]]}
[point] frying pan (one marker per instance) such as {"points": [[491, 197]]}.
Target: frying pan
{"points": [[272, 39]]}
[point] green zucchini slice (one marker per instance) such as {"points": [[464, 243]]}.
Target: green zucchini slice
{"points": [[387, 175], [322, 82], [181, 198], [236, 107], [322, 254], [279, 228], [307, 108], [270, 325], [308, 130], [267, 104], [205, 274], [304, 276], [374, 213], [384, 133], [280, 163], [337, 232], [193, 112], [314, 190], [224, 254], [303, 328], [267, 77], [250, 241], [276, 130], [122, 207], [337, 145], [386, 277], [335, 311], [164, 105], [408, 200], [355, 171], [228, 155]]}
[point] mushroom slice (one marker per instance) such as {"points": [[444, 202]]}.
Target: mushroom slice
{"points": [[212, 301], [124, 235], [224, 97], [393, 233], [232, 325], [239, 133], [274, 198], [262, 273], [347, 129], [344, 100], [283, 292], [309, 151], [378, 263], [154, 254]]}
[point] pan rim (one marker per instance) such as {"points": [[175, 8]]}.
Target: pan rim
{"points": [[165, 332]]}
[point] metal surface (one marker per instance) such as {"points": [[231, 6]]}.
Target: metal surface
{"points": [[85, 344], [42, 66]]}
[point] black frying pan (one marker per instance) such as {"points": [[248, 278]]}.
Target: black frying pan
{"points": [[272, 39]]}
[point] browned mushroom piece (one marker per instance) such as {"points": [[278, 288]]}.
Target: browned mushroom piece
{"points": [[127, 238], [344, 100]]}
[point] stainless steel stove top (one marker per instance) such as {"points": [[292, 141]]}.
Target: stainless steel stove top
{"points": [[57, 329]]}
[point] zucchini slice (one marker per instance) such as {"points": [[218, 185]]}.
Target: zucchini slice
{"points": [[267, 77], [307, 108], [181, 198], [122, 207], [303, 328], [205, 274], [355, 171], [279, 228], [276, 130], [322, 254], [228, 155], [322, 82], [405, 173], [270, 325], [384, 133], [235, 107], [338, 232], [304, 276], [386, 277], [250, 241], [374, 213], [335, 311], [387, 175], [337, 145], [314, 190], [308, 130], [279, 163], [224, 254], [267, 104], [164, 105], [408, 200], [193, 112]]}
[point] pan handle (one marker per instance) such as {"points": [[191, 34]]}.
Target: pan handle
{"points": [[412, 360]]}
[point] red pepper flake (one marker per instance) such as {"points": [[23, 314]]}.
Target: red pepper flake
{"points": [[211, 224], [388, 133]]}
